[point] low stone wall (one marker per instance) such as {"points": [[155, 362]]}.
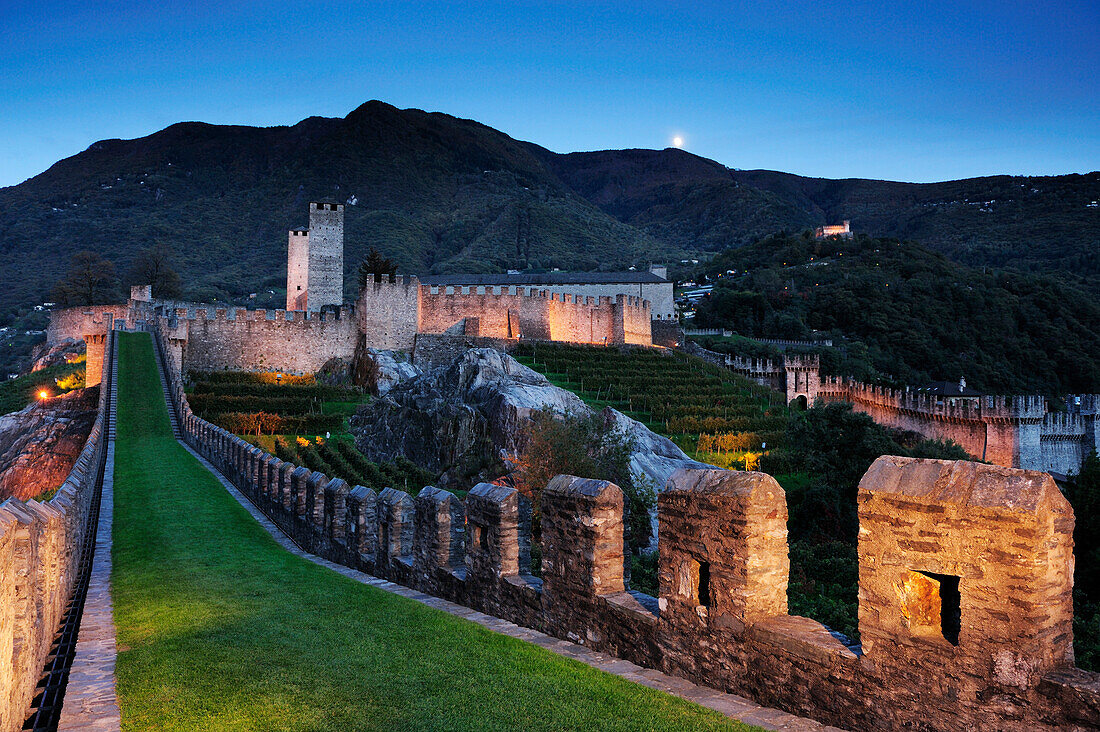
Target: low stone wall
{"points": [[938, 539], [40, 546]]}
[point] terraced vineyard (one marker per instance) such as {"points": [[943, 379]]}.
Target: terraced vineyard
{"points": [[272, 404], [339, 458], [711, 413], [300, 421]]}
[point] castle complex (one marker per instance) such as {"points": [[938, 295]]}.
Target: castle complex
{"points": [[844, 230], [434, 318], [428, 319], [965, 604]]}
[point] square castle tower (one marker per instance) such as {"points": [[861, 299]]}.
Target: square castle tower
{"points": [[315, 260]]}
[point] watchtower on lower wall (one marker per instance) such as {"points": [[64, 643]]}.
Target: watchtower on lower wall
{"points": [[803, 378], [315, 260]]}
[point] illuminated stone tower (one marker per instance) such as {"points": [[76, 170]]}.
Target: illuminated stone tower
{"points": [[297, 267], [315, 260]]}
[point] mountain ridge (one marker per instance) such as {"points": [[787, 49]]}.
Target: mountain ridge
{"points": [[443, 194]]}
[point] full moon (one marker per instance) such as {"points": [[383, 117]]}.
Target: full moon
{"points": [[677, 141]]}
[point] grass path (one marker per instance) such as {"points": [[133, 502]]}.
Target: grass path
{"points": [[220, 629]]}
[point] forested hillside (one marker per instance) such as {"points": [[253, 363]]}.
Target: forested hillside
{"points": [[1026, 223], [904, 314]]}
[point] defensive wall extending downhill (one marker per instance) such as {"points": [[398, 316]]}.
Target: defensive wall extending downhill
{"points": [[40, 552], [965, 580], [1013, 431]]}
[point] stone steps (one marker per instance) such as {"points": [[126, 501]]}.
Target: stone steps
{"points": [[167, 394]]}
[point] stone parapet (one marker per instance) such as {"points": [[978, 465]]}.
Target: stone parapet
{"points": [[40, 550]]}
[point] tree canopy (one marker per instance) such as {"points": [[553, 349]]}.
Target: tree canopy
{"points": [[90, 280]]}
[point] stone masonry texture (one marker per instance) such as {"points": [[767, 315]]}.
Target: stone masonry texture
{"points": [[40, 545]]}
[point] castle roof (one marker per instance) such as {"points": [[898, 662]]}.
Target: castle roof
{"points": [[544, 278], [948, 389]]}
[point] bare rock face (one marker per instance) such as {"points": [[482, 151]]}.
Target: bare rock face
{"points": [[390, 370], [461, 418], [655, 456], [39, 445], [67, 351]]}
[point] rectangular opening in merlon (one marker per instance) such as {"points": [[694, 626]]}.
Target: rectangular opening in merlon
{"points": [[950, 606], [703, 585]]}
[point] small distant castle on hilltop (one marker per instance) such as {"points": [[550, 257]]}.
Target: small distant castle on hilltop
{"points": [[844, 231]]}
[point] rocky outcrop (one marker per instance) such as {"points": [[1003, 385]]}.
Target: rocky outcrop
{"points": [[39, 445], [461, 419], [389, 370], [67, 351]]}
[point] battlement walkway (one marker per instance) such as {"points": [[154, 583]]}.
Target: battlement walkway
{"points": [[220, 626]]}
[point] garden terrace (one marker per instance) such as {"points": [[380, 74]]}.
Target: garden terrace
{"points": [[340, 458], [711, 413], [272, 404], [300, 421]]}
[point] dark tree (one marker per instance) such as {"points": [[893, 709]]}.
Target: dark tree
{"points": [[90, 281], [152, 266], [375, 267]]}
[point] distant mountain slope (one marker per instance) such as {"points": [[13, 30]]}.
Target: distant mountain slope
{"points": [[1046, 223], [437, 193], [679, 198], [1027, 223], [907, 315]]}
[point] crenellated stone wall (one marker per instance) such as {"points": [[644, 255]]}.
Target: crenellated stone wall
{"points": [[1013, 431], [262, 340], [389, 315], [935, 537], [40, 548], [533, 314]]}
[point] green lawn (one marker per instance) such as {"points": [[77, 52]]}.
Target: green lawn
{"points": [[221, 629]]}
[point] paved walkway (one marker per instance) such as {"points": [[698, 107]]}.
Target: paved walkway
{"points": [[91, 702], [733, 706], [90, 699]]}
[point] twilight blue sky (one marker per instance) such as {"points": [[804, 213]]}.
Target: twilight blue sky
{"points": [[931, 91]]}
